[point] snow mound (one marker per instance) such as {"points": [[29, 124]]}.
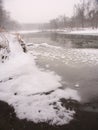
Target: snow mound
{"points": [[40, 107]]}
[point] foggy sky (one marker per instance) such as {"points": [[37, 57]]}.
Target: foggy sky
{"points": [[36, 11]]}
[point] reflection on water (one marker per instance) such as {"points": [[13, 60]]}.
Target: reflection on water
{"points": [[62, 40], [77, 67]]}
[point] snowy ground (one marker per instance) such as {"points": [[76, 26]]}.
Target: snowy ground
{"points": [[85, 31], [33, 92], [77, 31], [26, 32]]}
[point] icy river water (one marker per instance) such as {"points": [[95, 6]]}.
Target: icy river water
{"points": [[71, 64], [74, 62], [78, 67]]}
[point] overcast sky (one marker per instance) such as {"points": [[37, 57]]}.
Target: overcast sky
{"points": [[29, 11]]}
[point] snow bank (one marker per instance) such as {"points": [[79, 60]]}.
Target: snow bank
{"points": [[85, 31], [27, 31], [40, 107], [34, 93]]}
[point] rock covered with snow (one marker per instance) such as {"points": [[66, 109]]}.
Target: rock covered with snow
{"points": [[4, 48]]}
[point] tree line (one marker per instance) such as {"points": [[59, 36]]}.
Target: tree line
{"points": [[6, 23], [85, 15]]}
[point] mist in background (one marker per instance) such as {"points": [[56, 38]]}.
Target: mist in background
{"points": [[48, 14]]}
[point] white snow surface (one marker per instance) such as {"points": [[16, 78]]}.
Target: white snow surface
{"points": [[26, 31], [24, 85], [78, 31], [85, 31]]}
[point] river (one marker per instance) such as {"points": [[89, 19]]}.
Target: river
{"points": [[78, 66], [75, 60]]}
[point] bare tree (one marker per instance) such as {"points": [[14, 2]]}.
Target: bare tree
{"points": [[1, 13], [80, 13], [5, 21], [85, 15]]}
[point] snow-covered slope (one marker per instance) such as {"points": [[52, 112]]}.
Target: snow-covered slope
{"points": [[34, 93], [4, 48]]}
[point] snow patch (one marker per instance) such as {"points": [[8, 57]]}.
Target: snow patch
{"points": [[85, 31], [41, 107]]}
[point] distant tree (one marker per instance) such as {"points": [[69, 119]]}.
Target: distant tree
{"points": [[1, 13], [95, 16], [54, 24], [85, 14], [5, 21], [80, 13]]}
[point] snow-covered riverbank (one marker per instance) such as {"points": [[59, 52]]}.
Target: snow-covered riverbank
{"points": [[75, 31], [85, 31], [81, 31], [34, 93]]}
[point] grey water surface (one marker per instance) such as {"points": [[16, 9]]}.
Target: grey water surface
{"points": [[75, 60]]}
